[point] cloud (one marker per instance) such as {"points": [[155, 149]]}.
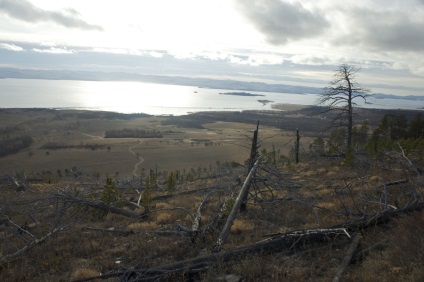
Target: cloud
{"points": [[126, 51], [255, 59], [54, 50], [11, 47], [390, 30], [25, 11], [282, 22]]}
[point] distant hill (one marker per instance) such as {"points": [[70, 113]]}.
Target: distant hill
{"points": [[176, 80]]}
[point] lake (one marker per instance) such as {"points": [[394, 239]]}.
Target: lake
{"points": [[149, 98]]}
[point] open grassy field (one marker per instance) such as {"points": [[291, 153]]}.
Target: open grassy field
{"points": [[179, 148]]}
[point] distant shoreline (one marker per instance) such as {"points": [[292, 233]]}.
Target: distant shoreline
{"points": [[241, 94]]}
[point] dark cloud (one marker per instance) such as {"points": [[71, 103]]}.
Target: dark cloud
{"points": [[385, 30], [282, 22], [25, 11]]}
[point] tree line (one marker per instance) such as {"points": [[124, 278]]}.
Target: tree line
{"points": [[396, 127], [392, 131], [58, 146], [11, 145], [132, 133]]}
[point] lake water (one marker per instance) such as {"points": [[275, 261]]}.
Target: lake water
{"points": [[155, 99]]}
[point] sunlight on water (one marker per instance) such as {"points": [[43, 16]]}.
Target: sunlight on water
{"points": [[150, 98], [133, 96]]}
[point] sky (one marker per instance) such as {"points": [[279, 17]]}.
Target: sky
{"points": [[274, 41]]}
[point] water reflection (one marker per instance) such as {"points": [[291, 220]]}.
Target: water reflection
{"points": [[156, 99]]}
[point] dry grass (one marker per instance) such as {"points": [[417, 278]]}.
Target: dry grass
{"points": [[164, 218], [151, 225], [84, 273], [319, 194], [168, 153], [240, 225], [387, 252]]}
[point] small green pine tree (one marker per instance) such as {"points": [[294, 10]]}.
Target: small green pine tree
{"points": [[171, 182]]}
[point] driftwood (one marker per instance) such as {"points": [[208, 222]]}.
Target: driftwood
{"points": [[230, 220], [285, 243], [348, 257]]}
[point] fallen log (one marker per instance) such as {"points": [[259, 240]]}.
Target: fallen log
{"points": [[285, 243], [348, 257], [381, 218], [109, 230], [197, 219], [241, 196], [36, 241], [98, 205], [183, 193]]}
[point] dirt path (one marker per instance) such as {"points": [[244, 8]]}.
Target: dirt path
{"points": [[139, 158]]}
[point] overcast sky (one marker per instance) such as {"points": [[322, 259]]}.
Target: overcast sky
{"points": [[277, 41]]}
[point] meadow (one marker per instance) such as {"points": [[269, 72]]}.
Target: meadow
{"points": [[179, 148]]}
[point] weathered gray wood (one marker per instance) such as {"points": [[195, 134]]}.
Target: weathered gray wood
{"points": [[252, 160], [196, 222], [347, 258], [230, 220], [285, 243], [97, 205], [297, 145], [110, 230], [8, 258]]}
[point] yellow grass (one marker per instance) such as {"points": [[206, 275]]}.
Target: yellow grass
{"points": [[241, 225], [163, 218], [143, 226], [83, 273]]}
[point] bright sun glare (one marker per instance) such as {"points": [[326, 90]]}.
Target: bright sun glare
{"points": [[132, 97]]}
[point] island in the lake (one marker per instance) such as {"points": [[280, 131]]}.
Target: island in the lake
{"points": [[264, 102], [240, 94]]}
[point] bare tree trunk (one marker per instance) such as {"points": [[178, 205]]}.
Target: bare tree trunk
{"points": [[98, 205], [252, 159], [350, 114], [285, 243], [109, 230], [348, 257], [29, 246], [244, 190], [297, 145]]}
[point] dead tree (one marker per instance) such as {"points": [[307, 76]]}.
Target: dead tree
{"points": [[244, 190], [348, 257], [340, 97], [97, 205], [252, 160], [297, 146]]}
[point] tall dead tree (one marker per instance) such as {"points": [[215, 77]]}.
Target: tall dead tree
{"points": [[340, 98], [297, 146], [252, 159]]}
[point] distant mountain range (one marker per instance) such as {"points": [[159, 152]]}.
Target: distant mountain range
{"points": [[175, 80]]}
